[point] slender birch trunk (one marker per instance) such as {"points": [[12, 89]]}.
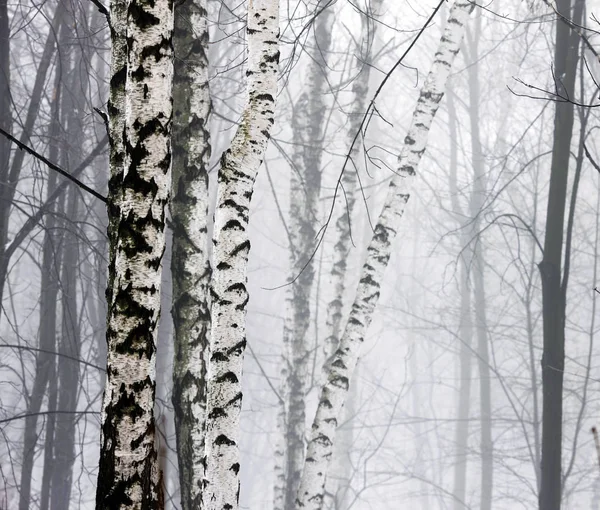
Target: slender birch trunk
{"points": [[239, 167], [336, 387], [190, 263], [305, 188], [128, 474]]}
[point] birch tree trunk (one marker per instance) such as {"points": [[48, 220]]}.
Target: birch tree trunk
{"points": [[305, 188], [239, 167], [128, 475], [333, 394], [553, 292], [190, 263]]}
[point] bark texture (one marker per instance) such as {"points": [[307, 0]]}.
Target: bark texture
{"points": [[128, 475], [239, 166], [190, 265], [335, 389]]}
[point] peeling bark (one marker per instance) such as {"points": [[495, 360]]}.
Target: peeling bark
{"points": [[335, 389], [239, 167], [128, 474]]}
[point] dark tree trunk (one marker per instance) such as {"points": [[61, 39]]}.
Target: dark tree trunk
{"points": [[553, 298], [68, 369]]}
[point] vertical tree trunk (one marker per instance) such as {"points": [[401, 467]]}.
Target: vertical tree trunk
{"points": [[465, 335], [553, 295], [68, 369], [465, 324], [239, 166], [128, 475], [305, 188], [333, 394], [49, 440], [190, 263], [476, 202]]}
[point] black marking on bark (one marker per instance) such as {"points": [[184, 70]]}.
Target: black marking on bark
{"points": [[233, 224], [217, 412], [222, 439], [142, 18], [227, 377], [219, 356], [242, 247], [237, 349]]}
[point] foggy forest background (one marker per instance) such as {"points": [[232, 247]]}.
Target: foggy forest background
{"points": [[449, 384]]}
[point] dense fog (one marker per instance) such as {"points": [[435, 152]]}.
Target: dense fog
{"points": [[469, 296]]}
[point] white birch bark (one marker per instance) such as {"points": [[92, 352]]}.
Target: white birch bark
{"points": [[190, 263], [128, 475], [239, 167], [333, 394]]}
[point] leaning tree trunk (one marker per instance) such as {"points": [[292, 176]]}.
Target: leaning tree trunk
{"points": [[128, 475], [333, 393], [190, 265], [553, 295], [305, 188], [239, 167]]}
